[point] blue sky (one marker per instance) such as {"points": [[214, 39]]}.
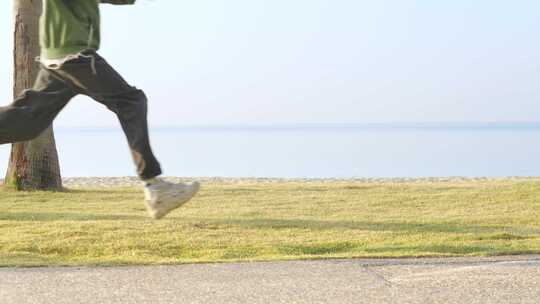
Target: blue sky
{"points": [[310, 61]]}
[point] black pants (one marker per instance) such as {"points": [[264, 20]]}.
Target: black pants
{"points": [[34, 111]]}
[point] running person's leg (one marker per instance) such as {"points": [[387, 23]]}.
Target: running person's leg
{"points": [[91, 75], [34, 110]]}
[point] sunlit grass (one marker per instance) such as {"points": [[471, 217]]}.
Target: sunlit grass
{"points": [[270, 221]]}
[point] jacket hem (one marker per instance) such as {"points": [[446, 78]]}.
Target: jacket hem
{"points": [[59, 53]]}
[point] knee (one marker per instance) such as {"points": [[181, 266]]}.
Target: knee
{"points": [[140, 97], [20, 135], [135, 99], [128, 103], [18, 124]]}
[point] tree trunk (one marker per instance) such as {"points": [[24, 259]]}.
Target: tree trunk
{"points": [[33, 165]]}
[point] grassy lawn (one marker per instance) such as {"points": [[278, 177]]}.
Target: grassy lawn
{"points": [[271, 221]]}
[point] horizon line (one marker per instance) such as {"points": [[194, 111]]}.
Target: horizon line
{"points": [[325, 125]]}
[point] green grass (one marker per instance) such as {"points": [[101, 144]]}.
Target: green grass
{"points": [[272, 221]]}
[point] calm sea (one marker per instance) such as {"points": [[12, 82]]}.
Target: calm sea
{"points": [[322, 151]]}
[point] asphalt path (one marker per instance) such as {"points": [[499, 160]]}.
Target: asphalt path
{"points": [[505, 280]]}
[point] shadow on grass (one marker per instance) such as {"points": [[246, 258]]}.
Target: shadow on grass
{"points": [[96, 190], [66, 216], [405, 227], [448, 250], [435, 248], [106, 191]]}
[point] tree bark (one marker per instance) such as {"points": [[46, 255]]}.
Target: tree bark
{"points": [[33, 165]]}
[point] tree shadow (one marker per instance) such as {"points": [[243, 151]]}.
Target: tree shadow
{"points": [[64, 216], [98, 190]]}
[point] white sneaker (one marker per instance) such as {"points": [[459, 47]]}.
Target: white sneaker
{"points": [[163, 197]]}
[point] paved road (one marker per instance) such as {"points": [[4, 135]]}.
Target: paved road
{"points": [[479, 280]]}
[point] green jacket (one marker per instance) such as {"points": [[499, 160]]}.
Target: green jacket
{"points": [[67, 27]]}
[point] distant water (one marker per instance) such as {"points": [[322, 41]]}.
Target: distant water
{"points": [[322, 151]]}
